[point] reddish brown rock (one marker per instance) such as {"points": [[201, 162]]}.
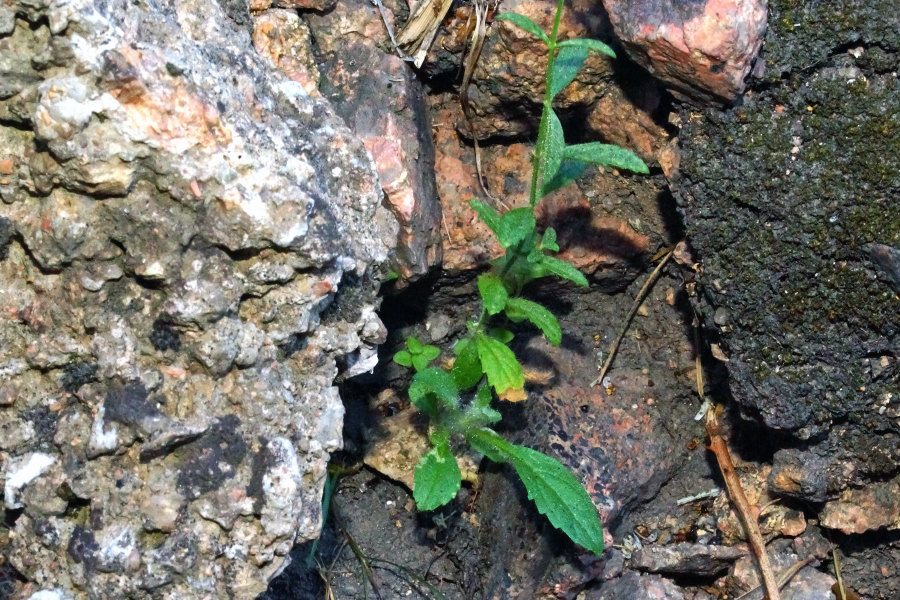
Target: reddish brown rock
{"points": [[857, 511], [381, 100], [702, 49]]}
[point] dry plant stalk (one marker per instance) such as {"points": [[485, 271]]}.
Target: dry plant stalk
{"points": [[745, 512], [475, 45], [420, 30], [719, 448]]}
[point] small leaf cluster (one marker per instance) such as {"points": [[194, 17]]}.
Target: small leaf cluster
{"points": [[458, 399]]}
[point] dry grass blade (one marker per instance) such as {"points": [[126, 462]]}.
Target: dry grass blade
{"points": [[784, 577], [638, 301], [420, 30], [475, 46]]}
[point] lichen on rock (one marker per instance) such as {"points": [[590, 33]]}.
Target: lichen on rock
{"points": [[175, 219]]}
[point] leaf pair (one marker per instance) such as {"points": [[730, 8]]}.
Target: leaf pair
{"points": [[417, 354]]}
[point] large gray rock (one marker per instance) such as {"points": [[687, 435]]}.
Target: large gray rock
{"points": [[189, 244]]}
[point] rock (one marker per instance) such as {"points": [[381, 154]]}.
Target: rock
{"points": [[189, 243], [857, 511], [686, 559], [821, 348], [774, 518], [282, 37], [688, 46], [633, 586], [807, 584], [379, 97]]}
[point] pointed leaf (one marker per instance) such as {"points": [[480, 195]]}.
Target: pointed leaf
{"points": [[403, 358], [433, 381], [589, 44], [548, 241], [480, 412], [551, 150], [436, 479], [553, 488], [500, 364], [524, 23], [561, 268], [515, 226], [608, 155], [493, 292], [488, 215], [466, 370], [568, 62], [500, 334], [519, 308]]}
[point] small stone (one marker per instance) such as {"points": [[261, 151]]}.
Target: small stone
{"points": [[686, 558], [686, 46], [632, 586], [161, 511]]}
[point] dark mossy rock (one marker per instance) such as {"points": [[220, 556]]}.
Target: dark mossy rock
{"points": [[790, 200]]}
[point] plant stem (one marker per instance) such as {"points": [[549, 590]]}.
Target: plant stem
{"points": [[537, 175]]}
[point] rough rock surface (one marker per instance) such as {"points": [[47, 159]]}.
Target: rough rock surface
{"points": [[791, 203], [701, 49], [633, 586], [384, 104], [188, 248], [686, 558], [784, 197]]}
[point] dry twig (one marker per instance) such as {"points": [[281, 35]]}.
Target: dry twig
{"points": [[475, 46], [745, 512]]}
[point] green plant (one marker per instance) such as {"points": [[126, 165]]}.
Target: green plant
{"points": [[458, 400]]}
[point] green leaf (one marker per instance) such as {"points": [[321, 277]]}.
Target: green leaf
{"points": [[561, 268], [500, 364], [430, 352], [519, 309], [504, 336], [608, 155], [419, 361], [480, 412], [588, 44], [488, 215], [553, 488], [515, 225], [466, 370], [433, 381], [403, 358], [493, 292], [548, 241], [524, 23], [552, 156], [568, 62], [569, 171], [437, 478], [414, 345]]}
